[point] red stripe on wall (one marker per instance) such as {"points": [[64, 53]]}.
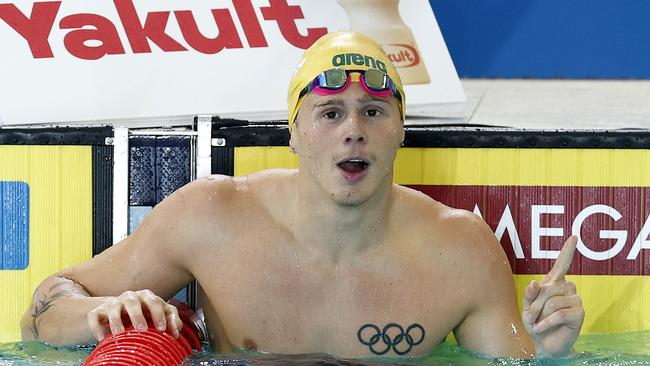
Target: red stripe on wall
{"points": [[609, 221]]}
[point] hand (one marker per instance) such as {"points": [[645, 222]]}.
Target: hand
{"points": [[553, 312], [107, 317]]}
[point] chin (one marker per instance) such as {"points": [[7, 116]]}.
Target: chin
{"points": [[349, 198]]}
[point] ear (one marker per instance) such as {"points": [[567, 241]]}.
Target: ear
{"points": [[293, 136]]}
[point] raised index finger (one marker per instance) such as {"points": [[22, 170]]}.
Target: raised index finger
{"points": [[563, 261]]}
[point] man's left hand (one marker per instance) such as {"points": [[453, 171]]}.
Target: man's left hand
{"points": [[553, 312]]}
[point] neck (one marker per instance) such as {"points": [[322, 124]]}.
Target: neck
{"points": [[337, 229]]}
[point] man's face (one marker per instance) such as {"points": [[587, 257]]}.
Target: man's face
{"points": [[347, 142]]}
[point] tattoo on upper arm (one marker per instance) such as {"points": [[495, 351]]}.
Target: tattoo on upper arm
{"points": [[65, 288], [392, 336]]}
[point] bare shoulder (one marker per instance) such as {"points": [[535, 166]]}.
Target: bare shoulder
{"points": [[215, 191], [190, 210], [472, 271], [270, 178], [226, 185], [429, 214], [462, 235], [204, 189], [220, 195]]}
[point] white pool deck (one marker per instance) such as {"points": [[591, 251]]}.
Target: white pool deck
{"points": [[518, 103], [549, 104]]}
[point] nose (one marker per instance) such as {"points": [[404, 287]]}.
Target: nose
{"points": [[355, 138], [354, 133]]}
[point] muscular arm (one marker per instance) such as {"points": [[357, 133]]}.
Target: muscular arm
{"points": [[492, 325], [154, 258], [58, 294]]}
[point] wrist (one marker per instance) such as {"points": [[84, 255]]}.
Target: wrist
{"points": [[541, 352]]}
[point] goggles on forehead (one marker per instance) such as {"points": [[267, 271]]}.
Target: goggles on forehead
{"points": [[333, 81]]}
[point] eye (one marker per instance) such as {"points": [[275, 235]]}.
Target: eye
{"points": [[373, 112], [331, 115]]}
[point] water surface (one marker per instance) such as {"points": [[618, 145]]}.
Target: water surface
{"points": [[604, 349]]}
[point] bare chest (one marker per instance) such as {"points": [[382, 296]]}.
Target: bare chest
{"points": [[281, 300]]}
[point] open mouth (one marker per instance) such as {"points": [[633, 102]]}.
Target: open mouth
{"points": [[353, 165], [353, 169]]}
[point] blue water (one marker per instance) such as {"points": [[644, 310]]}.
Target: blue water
{"points": [[607, 349]]}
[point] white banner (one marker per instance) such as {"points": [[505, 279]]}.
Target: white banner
{"points": [[124, 60]]}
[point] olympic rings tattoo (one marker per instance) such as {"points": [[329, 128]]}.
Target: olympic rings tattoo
{"points": [[391, 339]]}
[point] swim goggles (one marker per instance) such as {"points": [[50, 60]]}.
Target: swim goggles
{"points": [[374, 82]]}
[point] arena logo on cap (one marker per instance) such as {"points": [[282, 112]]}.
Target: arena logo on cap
{"points": [[348, 59], [93, 36]]}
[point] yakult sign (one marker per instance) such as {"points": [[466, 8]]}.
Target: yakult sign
{"points": [[75, 60], [612, 224], [98, 29]]}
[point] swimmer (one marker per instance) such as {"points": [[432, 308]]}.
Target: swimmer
{"points": [[330, 258]]}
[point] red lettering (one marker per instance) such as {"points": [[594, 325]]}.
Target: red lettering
{"points": [[93, 36], [153, 29], [35, 29], [396, 58], [607, 242], [286, 15], [104, 32], [227, 38], [403, 55], [250, 23]]}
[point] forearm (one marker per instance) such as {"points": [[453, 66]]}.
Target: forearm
{"points": [[58, 312]]}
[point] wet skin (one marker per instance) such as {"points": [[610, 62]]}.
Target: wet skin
{"points": [[297, 261]]}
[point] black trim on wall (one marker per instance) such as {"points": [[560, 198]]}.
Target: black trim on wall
{"points": [[96, 136], [242, 133], [252, 135], [102, 198], [223, 160], [486, 137]]}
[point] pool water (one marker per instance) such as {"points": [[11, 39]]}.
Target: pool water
{"points": [[604, 349]]}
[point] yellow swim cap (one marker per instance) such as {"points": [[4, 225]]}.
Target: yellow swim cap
{"points": [[340, 50]]}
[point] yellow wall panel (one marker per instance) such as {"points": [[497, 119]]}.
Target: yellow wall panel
{"points": [[525, 167], [483, 166], [251, 159], [60, 220]]}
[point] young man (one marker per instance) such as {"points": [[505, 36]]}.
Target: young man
{"points": [[330, 258]]}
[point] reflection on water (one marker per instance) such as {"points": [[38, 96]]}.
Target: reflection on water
{"points": [[34, 353], [275, 360], [610, 349]]}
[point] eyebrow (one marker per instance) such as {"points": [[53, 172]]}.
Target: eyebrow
{"points": [[332, 101], [371, 98], [339, 101]]}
